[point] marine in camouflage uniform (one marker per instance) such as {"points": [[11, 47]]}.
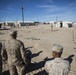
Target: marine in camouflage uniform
{"points": [[0, 58], [16, 55], [58, 66], [2, 55]]}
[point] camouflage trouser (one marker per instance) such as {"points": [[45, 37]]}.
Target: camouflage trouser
{"points": [[17, 69]]}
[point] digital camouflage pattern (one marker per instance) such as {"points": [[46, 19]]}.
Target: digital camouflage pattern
{"points": [[0, 59], [16, 56], [58, 66]]}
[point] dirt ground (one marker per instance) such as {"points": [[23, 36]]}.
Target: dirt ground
{"points": [[39, 40]]}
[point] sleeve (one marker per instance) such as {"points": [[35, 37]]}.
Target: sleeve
{"points": [[67, 68], [4, 53], [23, 53], [66, 71], [47, 67]]}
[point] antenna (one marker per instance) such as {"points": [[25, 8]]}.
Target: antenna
{"points": [[22, 14]]}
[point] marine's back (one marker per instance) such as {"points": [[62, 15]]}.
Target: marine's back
{"points": [[57, 66], [13, 49]]}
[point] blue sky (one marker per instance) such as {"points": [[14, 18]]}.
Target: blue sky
{"points": [[38, 10]]}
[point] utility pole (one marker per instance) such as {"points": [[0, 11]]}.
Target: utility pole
{"points": [[22, 14]]}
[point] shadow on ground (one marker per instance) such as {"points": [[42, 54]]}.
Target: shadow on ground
{"points": [[39, 65], [70, 58]]}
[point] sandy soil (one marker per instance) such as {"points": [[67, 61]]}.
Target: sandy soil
{"points": [[40, 39]]}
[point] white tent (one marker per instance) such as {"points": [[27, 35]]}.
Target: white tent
{"points": [[74, 24], [52, 23], [64, 24]]}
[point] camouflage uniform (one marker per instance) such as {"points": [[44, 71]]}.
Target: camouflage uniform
{"points": [[58, 66], [16, 56], [0, 59]]}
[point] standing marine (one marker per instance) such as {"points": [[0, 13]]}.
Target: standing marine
{"points": [[16, 55]]}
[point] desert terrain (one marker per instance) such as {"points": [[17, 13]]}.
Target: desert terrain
{"points": [[39, 40]]}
